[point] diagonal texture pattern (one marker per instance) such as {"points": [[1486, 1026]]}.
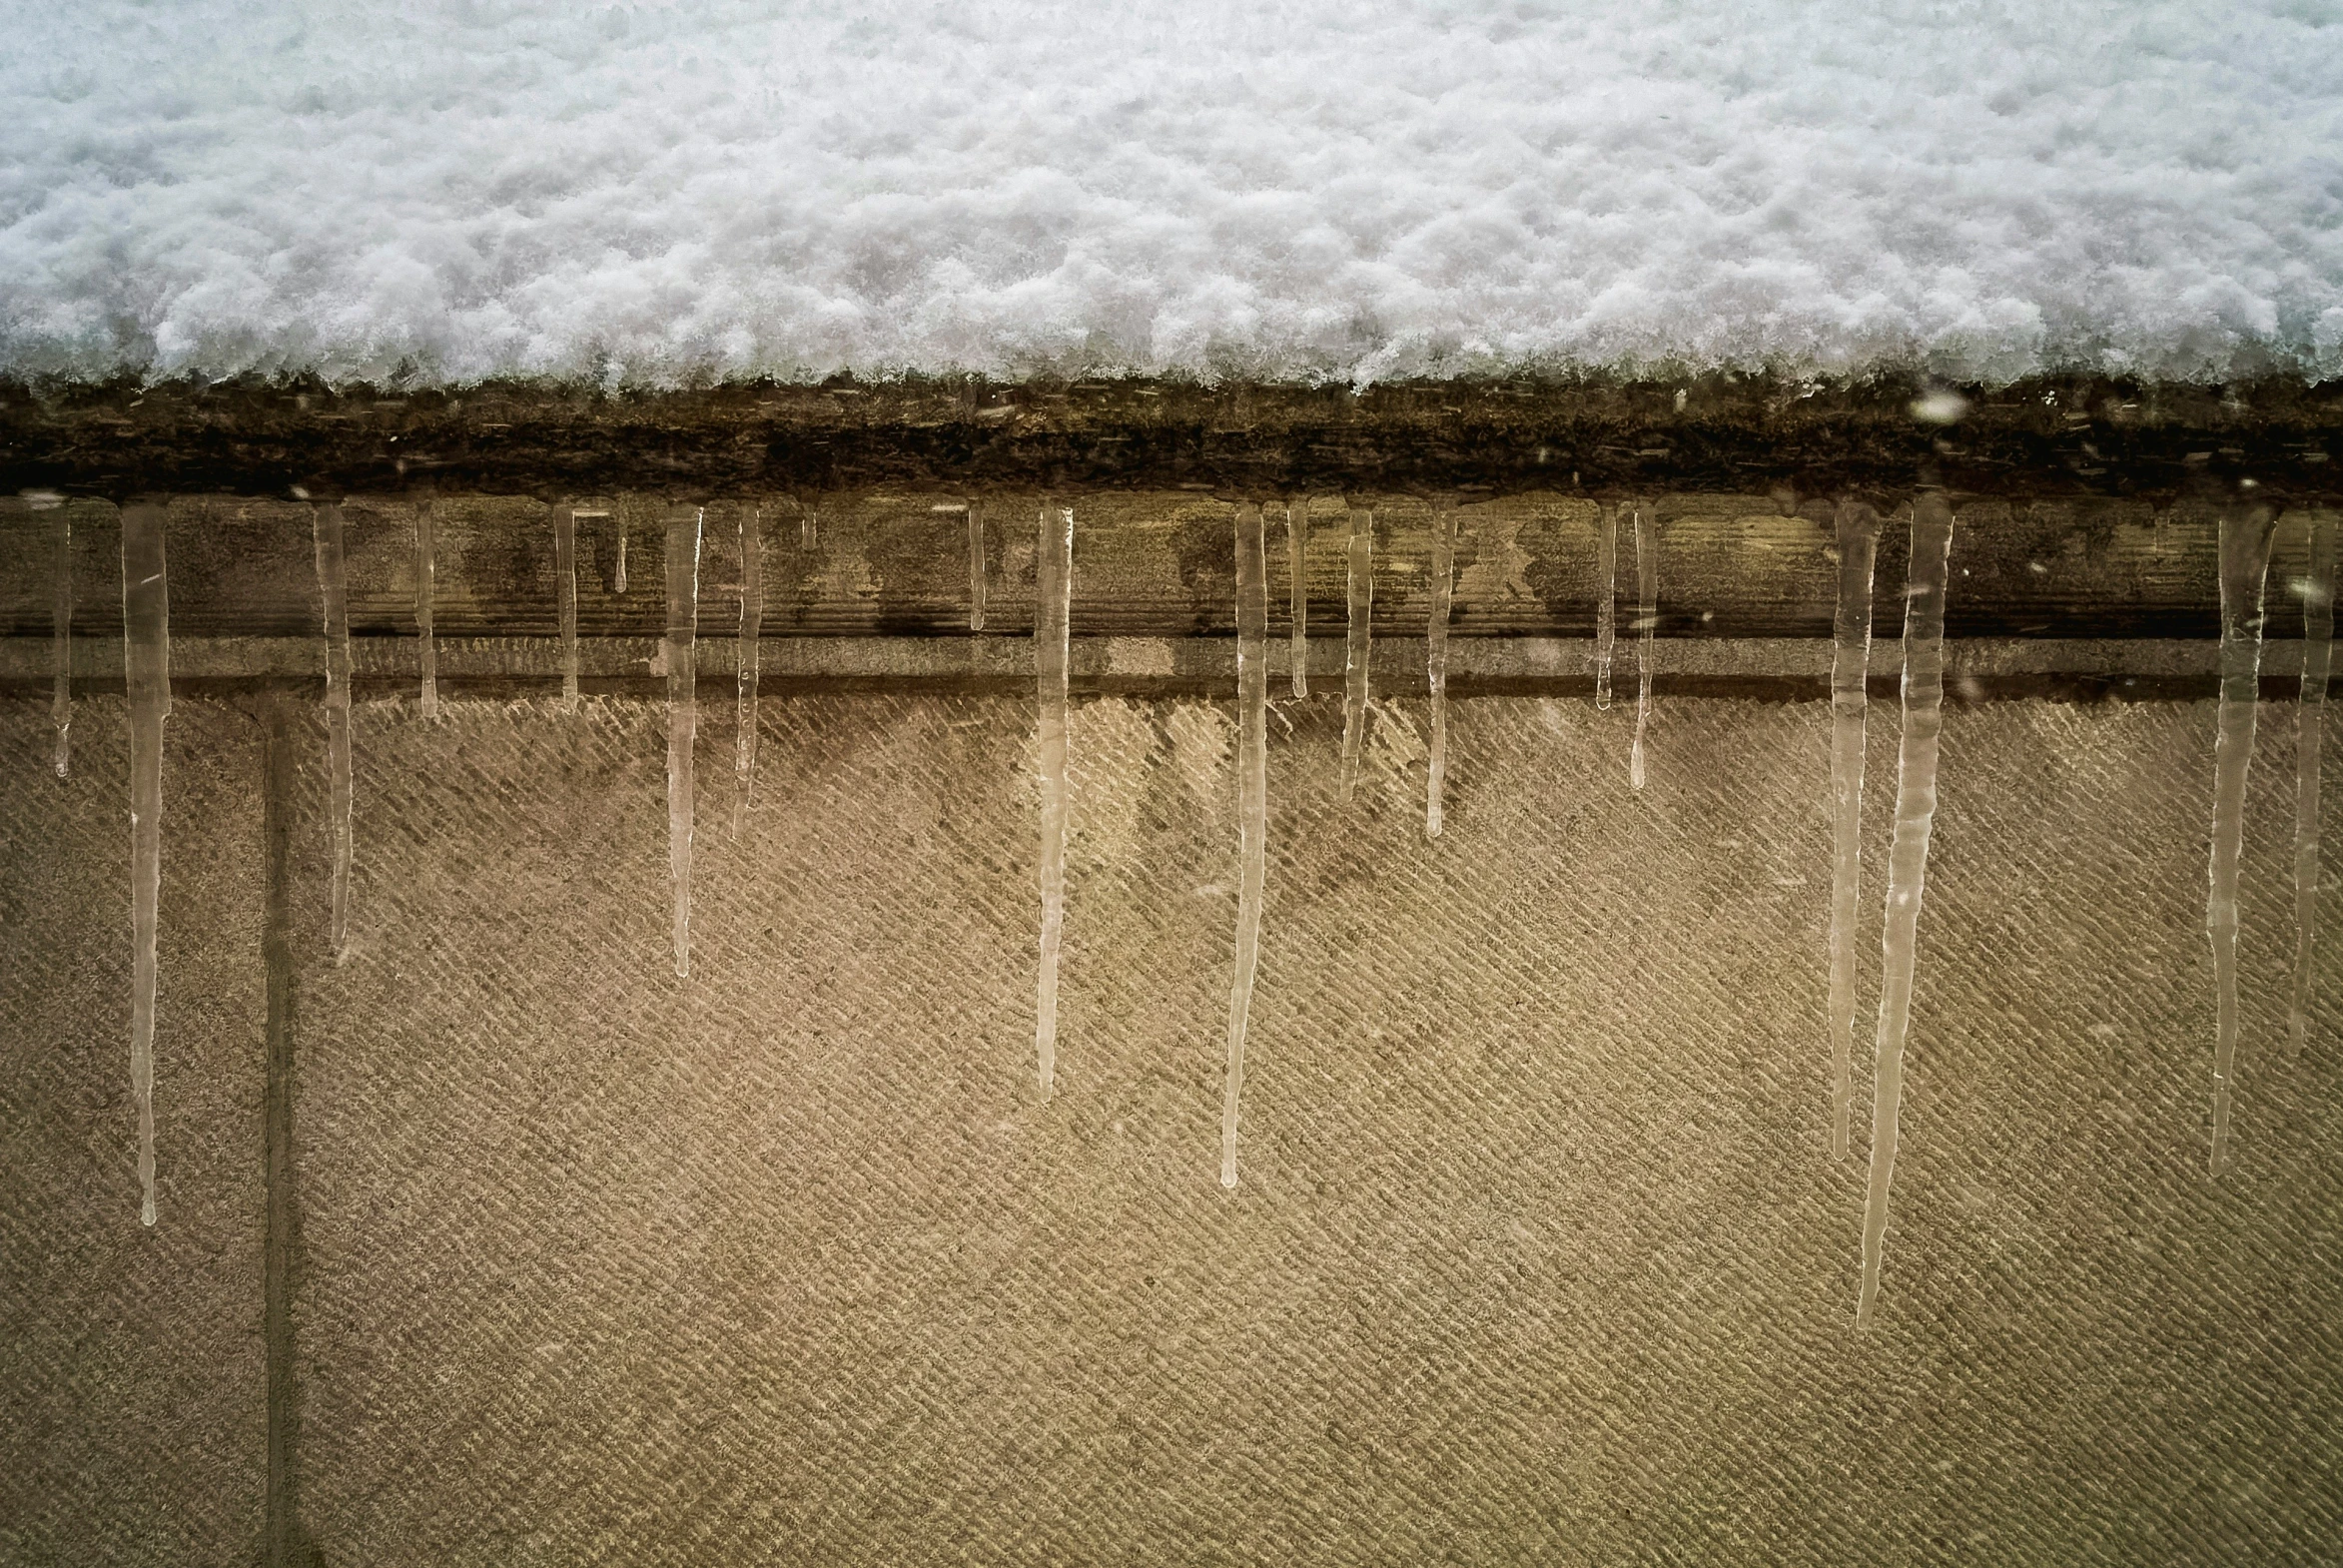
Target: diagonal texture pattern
{"points": [[1539, 1253]]}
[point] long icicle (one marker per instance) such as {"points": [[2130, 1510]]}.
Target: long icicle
{"points": [[976, 566], [1437, 655], [683, 611], [565, 599], [2318, 646], [61, 634], [332, 594], [426, 571], [146, 663], [1297, 600], [1647, 620], [1858, 538], [1908, 859], [752, 631], [1354, 661], [1252, 804], [1052, 605], [2245, 560], [1606, 590]]}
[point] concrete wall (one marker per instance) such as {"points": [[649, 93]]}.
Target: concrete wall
{"points": [[1539, 1253]]}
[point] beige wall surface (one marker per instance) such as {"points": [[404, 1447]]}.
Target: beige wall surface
{"points": [[1538, 1256]]}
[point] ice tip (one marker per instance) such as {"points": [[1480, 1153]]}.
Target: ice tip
{"points": [[146, 1212]]}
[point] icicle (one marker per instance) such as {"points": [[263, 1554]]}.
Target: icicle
{"points": [[1354, 663], [976, 566], [1605, 578], [808, 521], [683, 713], [618, 572], [565, 599], [1436, 654], [1297, 554], [2318, 640], [325, 526], [1858, 538], [1647, 619], [1907, 858], [2245, 560], [1252, 804], [61, 695], [1052, 605], [752, 628], [146, 663], [425, 569]]}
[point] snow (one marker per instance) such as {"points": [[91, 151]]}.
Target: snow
{"points": [[661, 194]]}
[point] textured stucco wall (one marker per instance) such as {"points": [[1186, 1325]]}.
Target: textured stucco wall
{"points": [[1538, 1256]]}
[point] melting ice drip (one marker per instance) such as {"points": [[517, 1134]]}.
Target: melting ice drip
{"points": [[1252, 804], [333, 592], [2245, 560], [1354, 663], [976, 566], [2318, 643], [1297, 558], [146, 655], [1053, 604], [683, 611], [1858, 536], [1907, 858], [1606, 579], [425, 569], [1647, 619], [61, 694], [1437, 655], [808, 524], [752, 628], [565, 599]]}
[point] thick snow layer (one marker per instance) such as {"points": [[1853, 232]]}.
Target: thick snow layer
{"points": [[1331, 188]]}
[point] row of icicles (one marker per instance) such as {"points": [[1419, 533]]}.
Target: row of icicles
{"points": [[2246, 534]]}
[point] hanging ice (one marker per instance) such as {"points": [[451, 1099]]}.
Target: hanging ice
{"points": [[1298, 600], [1859, 535], [1647, 619], [1052, 605], [333, 592], [618, 574], [565, 599], [2245, 558], [976, 566], [61, 694], [1907, 858], [683, 611], [2318, 641], [146, 664], [1606, 580], [1252, 804], [752, 628], [808, 521], [1436, 654], [1354, 661], [425, 569]]}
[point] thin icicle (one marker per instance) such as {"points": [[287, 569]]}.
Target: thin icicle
{"points": [[146, 663], [61, 694], [1297, 554], [1052, 605], [619, 571], [1436, 654], [1647, 620], [1354, 661], [976, 566], [752, 628], [2318, 646], [683, 713], [1907, 858], [565, 599], [1606, 590], [1858, 538], [808, 524], [2245, 561], [1252, 804], [425, 570], [333, 592]]}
